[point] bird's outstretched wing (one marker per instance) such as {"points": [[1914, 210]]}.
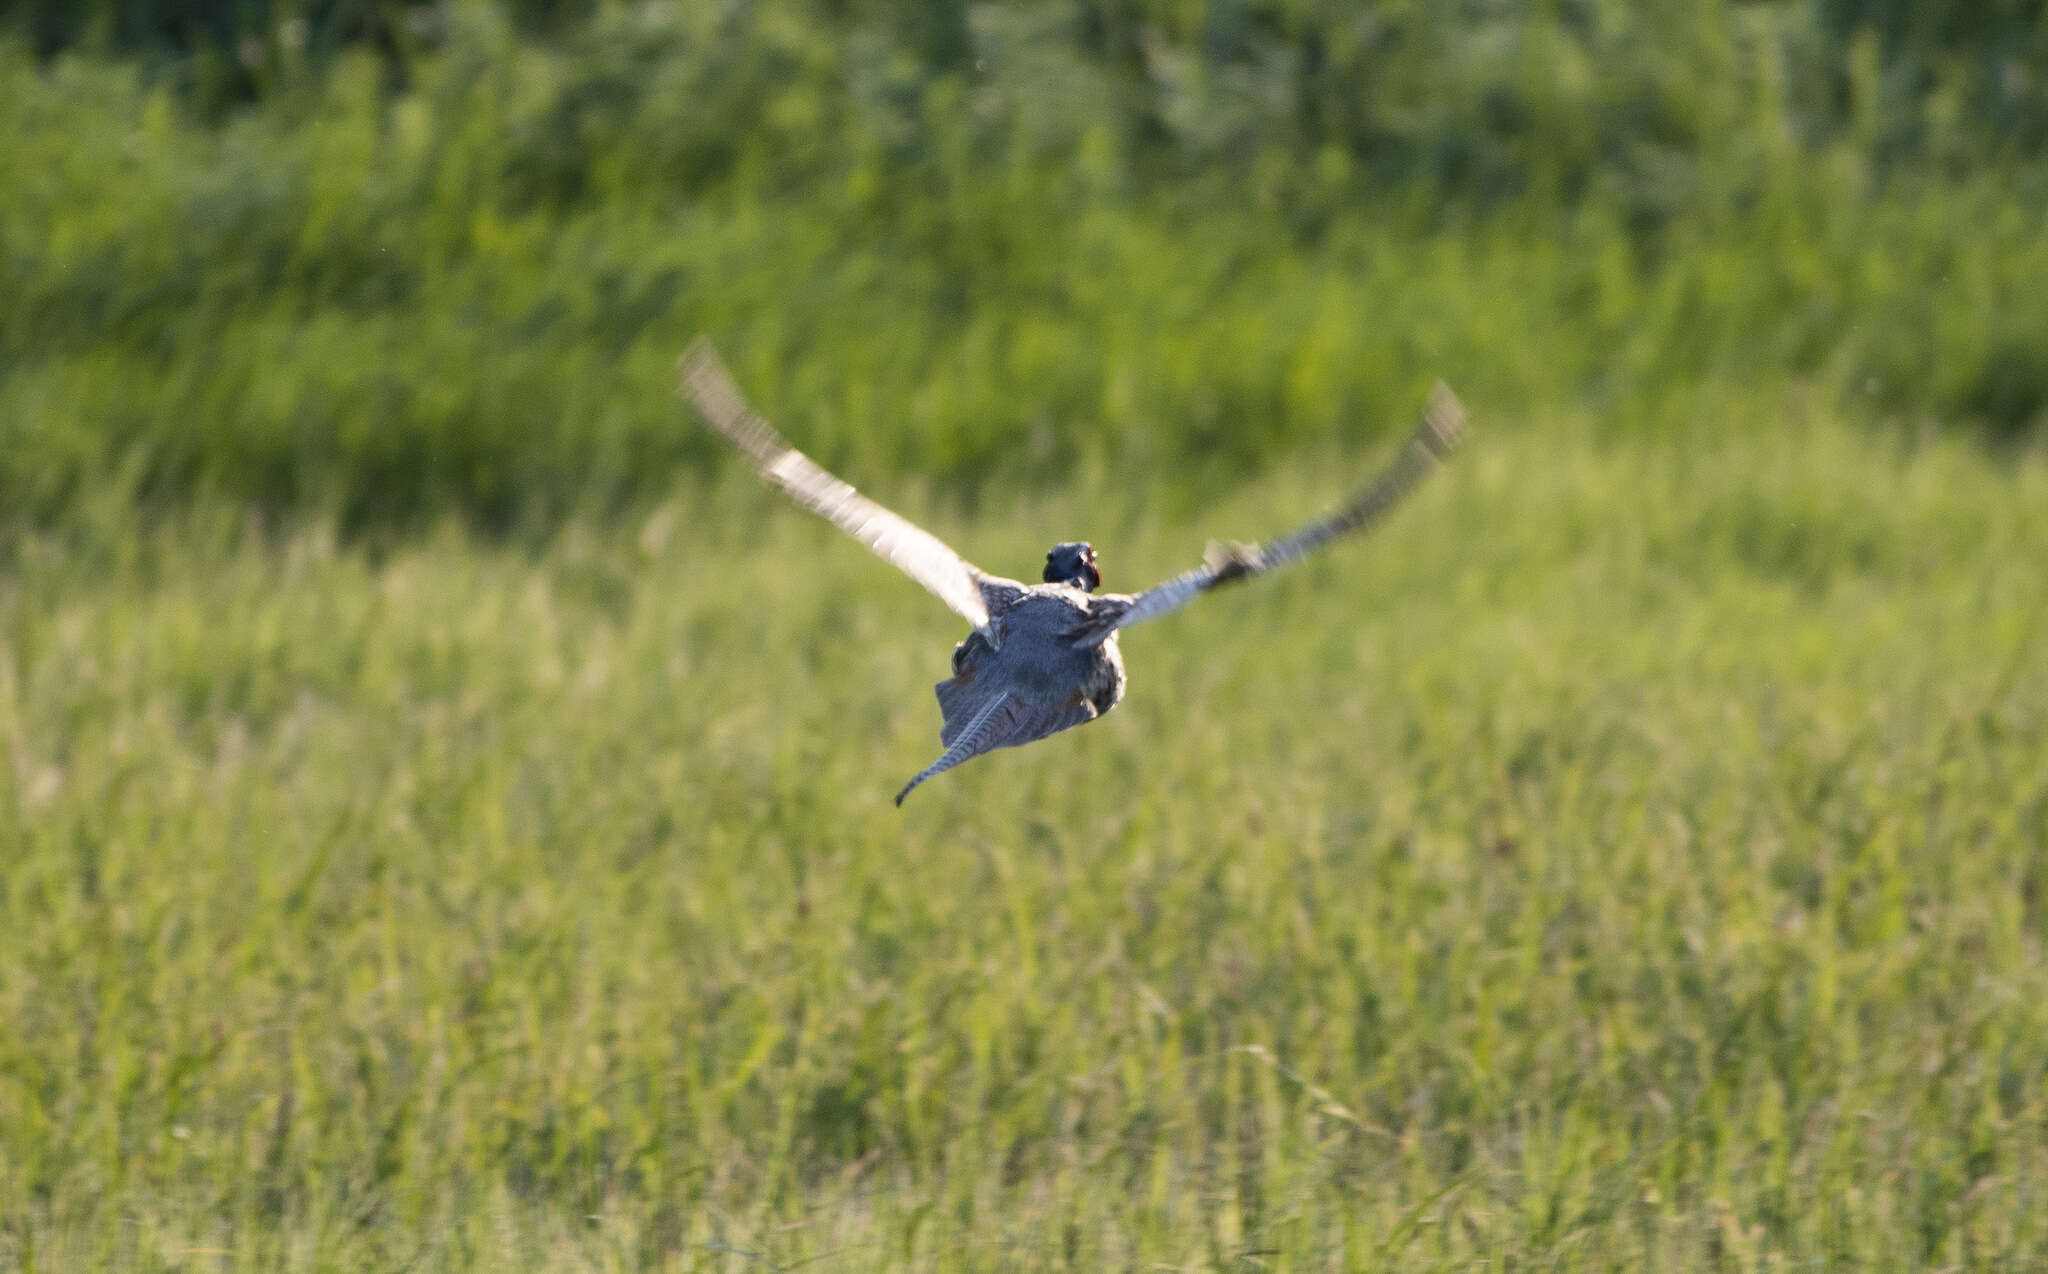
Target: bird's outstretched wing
{"points": [[1435, 437], [909, 548]]}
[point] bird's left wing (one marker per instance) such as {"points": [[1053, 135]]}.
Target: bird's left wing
{"points": [[908, 547], [1435, 437]]}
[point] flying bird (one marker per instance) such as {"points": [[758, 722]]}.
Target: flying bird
{"points": [[1041, 657]]}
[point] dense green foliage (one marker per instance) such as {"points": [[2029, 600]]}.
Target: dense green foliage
{"points": [[1153, 235], [1352, 73], [1631, 860]]}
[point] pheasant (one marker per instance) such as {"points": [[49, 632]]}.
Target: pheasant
{"points": [[1041, 658]]}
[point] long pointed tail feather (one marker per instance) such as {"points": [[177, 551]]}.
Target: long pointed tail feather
{"points": [[984, 730]]}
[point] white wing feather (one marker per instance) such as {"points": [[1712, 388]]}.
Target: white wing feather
{"points": [[895, 539], [1438, 434]]}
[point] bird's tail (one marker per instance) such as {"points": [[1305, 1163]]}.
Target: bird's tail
{"points": [[984, 730]]}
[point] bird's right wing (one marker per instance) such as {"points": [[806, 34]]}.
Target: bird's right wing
{"points": [[909, 548], [1435, 437]]}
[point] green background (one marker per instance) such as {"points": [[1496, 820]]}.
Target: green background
{"points": [[444, 799]]}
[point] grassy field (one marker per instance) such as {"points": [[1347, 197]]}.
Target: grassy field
{"points": [[445, 808], [1631, 860]]}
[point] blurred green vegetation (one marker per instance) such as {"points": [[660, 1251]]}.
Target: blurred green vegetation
{"points": [[1632, 860], [392, 261]]}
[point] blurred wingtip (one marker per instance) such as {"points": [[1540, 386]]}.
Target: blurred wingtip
{"points": [[699, 357], [703, 381], [1443, 421]]}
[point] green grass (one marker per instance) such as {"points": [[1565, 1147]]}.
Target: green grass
{"points": [[444, 816], [1630, 860]]}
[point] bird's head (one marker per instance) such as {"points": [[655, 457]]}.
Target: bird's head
{"points": [[1073, 564]]}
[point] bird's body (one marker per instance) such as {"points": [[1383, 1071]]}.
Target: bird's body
{"points": [[1029, 673], [1041, 658], [1036, 653]]}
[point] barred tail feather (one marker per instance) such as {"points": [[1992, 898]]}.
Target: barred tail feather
{"points": [[984, 730]]}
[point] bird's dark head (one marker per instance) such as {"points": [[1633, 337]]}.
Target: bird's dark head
{"points": [[1073, 564]]}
